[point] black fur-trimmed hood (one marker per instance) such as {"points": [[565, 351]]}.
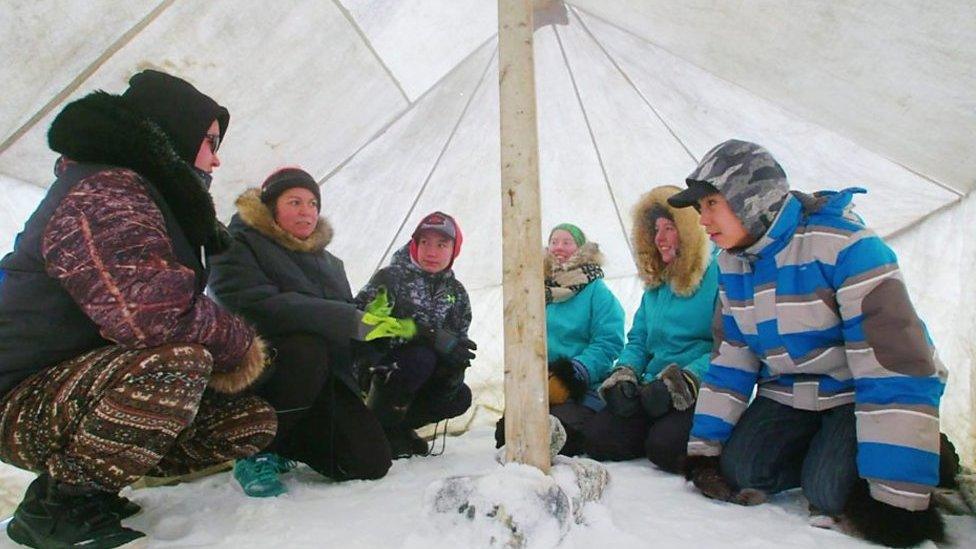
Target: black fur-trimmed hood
{"points": [[101, 128]]}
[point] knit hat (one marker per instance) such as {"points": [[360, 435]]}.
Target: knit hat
{"points": [[286, 178], [183, 112], [573, 230], [749, 178], [441, 223]]}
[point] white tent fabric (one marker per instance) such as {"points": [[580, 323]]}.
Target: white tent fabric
{"points": [[393, 106]]}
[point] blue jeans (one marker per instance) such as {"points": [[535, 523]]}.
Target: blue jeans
{"points": [[775, 447]]}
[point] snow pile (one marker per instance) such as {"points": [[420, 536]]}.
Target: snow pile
{"points": [[515, 506], [643, 507]]}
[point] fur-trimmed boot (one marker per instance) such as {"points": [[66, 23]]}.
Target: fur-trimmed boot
{"points": [[389, 402]]}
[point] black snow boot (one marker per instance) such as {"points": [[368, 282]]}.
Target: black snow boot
{"points": [[58, 515], [389, 403], [120, 505]]}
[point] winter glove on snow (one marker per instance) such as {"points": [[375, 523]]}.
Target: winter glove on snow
{"points": [[889, 525], [704, 472], [456, 349], [620, 392], [682, 386], [568, 379]]}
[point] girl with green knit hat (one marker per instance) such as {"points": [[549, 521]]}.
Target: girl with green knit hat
{"points": [[584, 331]]}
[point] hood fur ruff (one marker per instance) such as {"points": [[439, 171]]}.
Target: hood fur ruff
{"points": [[101, 128], [694, 251], [588, 254], [258, 216]]}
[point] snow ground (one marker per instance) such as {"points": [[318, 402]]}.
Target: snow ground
{"points": [[643, 507]]}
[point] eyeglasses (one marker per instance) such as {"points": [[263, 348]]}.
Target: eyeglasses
{"points": [[214, 140]]}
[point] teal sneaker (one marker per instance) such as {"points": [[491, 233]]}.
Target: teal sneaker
{"points": [[258, 474]]}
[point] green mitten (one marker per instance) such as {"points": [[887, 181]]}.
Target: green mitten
{"points": [[380, 305], [387, 326]]}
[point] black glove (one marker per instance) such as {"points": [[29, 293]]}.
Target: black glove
{"points": [[948, 463], [620, 392], [655, 399], [888, 525], [454, 348]]}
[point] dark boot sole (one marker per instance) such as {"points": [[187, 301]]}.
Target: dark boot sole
{"points": [[23, 536]]}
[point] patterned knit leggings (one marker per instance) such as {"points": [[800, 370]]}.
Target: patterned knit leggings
{"points": [[112, 415]]}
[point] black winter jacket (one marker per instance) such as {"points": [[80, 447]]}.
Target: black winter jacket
{"points": [[284, 285]]}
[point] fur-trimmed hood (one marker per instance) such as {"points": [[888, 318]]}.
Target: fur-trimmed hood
{"points": [[258, 216], [587, 254], [694, 251], [102, 128]]}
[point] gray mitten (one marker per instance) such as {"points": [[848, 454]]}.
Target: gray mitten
{"points": [[681, 384]]}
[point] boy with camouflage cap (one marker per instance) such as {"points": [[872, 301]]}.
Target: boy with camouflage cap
{"points": [[814, 309]]}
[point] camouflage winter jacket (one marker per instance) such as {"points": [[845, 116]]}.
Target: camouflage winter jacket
{"points": [[437, 300]]}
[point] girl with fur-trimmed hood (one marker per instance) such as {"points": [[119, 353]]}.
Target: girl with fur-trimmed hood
{"points": [[651, 393], [278, 275], [584, 332]]}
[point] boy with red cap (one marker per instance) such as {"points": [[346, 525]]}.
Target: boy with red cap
{"points": [[425, 382]]}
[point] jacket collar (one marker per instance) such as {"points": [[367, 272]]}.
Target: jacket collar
{"points": [[255, 214], [101, 128], [797, 207]]}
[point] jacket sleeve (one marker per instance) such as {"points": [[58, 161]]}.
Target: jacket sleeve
{"points": [[707, 291], [240, 283], [727, 386], [369, 291], [606, 333], [898, 380], [635, 352], [108, 245], [462, 310]]}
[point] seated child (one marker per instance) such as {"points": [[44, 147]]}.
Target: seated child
{"points": [[424, 380]]}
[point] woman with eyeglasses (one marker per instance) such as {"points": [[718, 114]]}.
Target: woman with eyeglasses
{"points": [[113, 362]]}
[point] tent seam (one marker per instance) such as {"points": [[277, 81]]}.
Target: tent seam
{"points": [[778, 105], [440, 156], [84, 75], [401, 114], [596, 146], [629, 80], [369, 45]]}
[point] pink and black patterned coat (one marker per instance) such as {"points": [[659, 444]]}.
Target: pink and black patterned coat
{"points": [[113, 254]]}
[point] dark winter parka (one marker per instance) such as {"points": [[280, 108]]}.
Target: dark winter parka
{"points": [[113, 253], [285, 285], [435, 299]]}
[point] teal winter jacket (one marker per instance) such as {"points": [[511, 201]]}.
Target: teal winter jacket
{"points": [[670, 328], [589, 327]]}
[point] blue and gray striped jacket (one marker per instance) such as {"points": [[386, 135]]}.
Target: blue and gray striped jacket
{"points": [[816, 312]]}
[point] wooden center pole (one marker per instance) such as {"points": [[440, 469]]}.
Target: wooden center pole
{"points": [[526, 383]]}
